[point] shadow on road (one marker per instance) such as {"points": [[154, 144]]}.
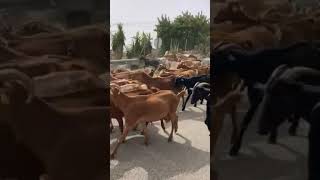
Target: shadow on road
{"points": [[286, 160]]}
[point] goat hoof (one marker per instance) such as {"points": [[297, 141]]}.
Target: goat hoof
{"points": [[170, 139]]}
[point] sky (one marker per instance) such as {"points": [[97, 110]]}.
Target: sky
{"points": [[141, 15]]}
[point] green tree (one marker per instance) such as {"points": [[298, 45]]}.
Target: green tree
{"points": [[164, 30], [118, 41], [141, 45], [186, 32], [137, 45], [146, 44]]}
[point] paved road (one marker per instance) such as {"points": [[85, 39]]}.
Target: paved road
{"points": [[259, 160], [186, 158]]}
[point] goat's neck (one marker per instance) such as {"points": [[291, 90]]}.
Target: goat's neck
{"points": [[121, 100], [147, 78]]}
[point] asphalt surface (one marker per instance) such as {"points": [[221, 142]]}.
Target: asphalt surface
{"points": [[186, 158], [259, 160]]}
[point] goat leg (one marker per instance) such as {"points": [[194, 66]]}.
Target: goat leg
{"points": [[273, 136], [174, 118], [120, 140], [185, 103], [182, 97], [314, 147], [142, 131], [201, 102], [162, 125], [146, 139], [176, 126], [111, 126], [294, 126], [217, 125], [120, 122], [135, 127], [244, 126], [235, 129]]}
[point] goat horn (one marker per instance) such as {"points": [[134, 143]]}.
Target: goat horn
{"points": [[219, 44], [280, 69], [12, 74]]}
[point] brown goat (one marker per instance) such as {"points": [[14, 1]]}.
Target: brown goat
{"points": [[117, 114], [145, 108], [35, 27], [85, 42], [66, 82], [70, 142], [20, 162]]}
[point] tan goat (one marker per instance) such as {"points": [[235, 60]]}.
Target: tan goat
{"points": [[145, 108]]}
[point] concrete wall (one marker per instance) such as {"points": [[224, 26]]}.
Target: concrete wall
{"points": [[126, 63]]}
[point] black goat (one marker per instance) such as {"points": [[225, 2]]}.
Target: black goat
{"points": [[314, 146], [150, 62], [208, 112], [256, 67], [189, 83], [289, 91], [200, 92], [295, 90]]}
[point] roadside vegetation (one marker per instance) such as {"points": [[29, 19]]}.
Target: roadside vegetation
{"points": [[186, 32]]}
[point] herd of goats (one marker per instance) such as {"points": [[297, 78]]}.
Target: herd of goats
{"points": [[54, 89], [53, 101], [276, 57], [142, 97]]}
